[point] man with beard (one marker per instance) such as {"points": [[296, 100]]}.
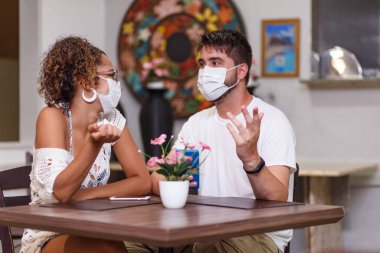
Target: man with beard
{"points": [[252, 142]]}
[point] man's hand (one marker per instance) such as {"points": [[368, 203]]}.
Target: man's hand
{"points": [[192, 183], [246, 137]]}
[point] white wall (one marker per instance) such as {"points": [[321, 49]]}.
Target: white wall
{"points": [[29, 53], [41, 23], [85, 18], [340, 124]]}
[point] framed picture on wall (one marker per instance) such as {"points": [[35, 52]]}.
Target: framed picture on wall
{"points": [[280, 48]]}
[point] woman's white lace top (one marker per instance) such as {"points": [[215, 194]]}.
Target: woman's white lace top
{"points": [[47, 164]]}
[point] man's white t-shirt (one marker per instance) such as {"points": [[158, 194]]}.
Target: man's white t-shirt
{"points": [[222, 174]]}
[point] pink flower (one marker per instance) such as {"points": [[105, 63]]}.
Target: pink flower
{"points": [[160, 72], [204, 145], [158, 140], [157, 61], [172, 158], [182, 140], [144, 74], [167, 7], [147, 65], [186, 144], [175, 165], [153, 161], [188, 158], [155, 67]]}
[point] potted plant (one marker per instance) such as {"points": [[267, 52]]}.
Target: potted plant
{"points": [[156, 113], [155, 71], [177, 167]]}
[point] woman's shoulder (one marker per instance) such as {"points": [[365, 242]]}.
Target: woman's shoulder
{"points": [[53, 113], [51, 118], [51, 128]]}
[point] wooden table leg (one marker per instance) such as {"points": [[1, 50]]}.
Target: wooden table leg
{"points": [[328, 191]]}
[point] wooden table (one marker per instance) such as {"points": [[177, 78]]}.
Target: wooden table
{"points": [[167, 228], [328, 183]]}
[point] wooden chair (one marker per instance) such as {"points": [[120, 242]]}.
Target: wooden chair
{"points": [[12, 179], [287, 248]]}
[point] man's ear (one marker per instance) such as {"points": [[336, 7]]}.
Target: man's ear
{"points": [[243, 71]]}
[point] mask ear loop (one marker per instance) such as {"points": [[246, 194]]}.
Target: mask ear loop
{"points": [[234, 67], [91, 99], [237, 79]]}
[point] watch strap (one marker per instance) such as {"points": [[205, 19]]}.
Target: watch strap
{"points": [[258, 168]]}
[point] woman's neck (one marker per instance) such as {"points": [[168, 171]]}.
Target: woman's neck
{"points": [[83, 113]]}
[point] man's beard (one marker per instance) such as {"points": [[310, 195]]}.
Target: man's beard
{"points": [[229, 82]]}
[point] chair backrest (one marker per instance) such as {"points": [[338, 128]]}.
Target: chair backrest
{"points": [[295, 181], [13, 179]]}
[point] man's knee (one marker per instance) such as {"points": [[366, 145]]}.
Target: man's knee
{"points": [[244, 244], [83, 244]]}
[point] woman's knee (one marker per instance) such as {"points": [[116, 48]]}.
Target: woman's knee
{"points": [[110, 246], [74, 244]]}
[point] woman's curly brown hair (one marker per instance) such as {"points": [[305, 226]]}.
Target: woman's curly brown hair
{"points": [[68, 60]]}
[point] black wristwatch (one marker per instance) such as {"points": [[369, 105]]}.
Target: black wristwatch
{"points": [[258, 167]]}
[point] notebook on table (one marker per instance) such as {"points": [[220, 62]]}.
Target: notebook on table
{"points": [[236, 202], [102, 204]]}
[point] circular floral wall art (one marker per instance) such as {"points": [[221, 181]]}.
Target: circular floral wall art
{"points": [[157, 42]]}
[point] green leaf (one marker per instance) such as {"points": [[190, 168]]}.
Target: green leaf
{"points": [[163, 172], [167, 167], [183, 168]]}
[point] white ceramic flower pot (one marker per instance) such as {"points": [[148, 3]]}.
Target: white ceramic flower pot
{"points": [[174, 193]]}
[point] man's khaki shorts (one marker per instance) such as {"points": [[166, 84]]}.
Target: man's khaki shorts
{"points": [[244, 244]]}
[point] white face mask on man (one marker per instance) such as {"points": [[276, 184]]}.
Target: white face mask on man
{"points": [[110, 101], [211, 82]]}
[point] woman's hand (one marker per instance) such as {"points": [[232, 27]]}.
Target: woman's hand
{"points": [[104, 132]]}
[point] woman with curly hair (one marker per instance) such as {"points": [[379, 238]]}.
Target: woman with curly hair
{"points": [[74, 136]]}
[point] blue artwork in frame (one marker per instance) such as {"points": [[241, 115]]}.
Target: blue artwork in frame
{"points": [[280, 48]]}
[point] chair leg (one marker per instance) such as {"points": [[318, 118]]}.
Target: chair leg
{"points": [[6, 240], [287, 248], [186, 248]]}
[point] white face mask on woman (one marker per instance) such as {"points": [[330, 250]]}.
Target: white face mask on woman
{"points": [[211, 82], [110, 101]]}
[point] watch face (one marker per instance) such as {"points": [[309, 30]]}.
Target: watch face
{"points": [[157, 42]]}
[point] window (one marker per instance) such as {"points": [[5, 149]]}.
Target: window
{"points": [[9, 70], [351, 24]]}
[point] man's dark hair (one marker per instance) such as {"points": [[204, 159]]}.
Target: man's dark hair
{"points": [[230, 42]]}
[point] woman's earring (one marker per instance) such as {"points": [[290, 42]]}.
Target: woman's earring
{"points": [[91, 99]]}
